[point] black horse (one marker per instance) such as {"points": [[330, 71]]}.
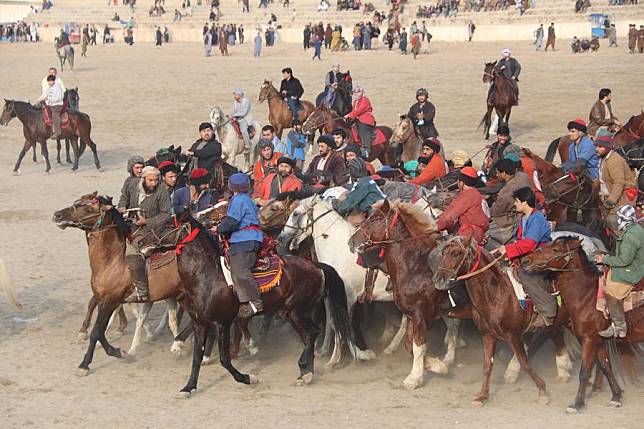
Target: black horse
{"points": [[342, 102]]}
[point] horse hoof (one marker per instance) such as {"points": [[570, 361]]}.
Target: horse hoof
{"points": [[544, 399], [82, 372], [478, 403], [82, 336], [252, 379], [130, 352], [176, 348], [615, 404], [305, 380], [207, 360], [183, 395], [562, 379], [366, 354], [411, 384], [511, 377], [435, 365], [16, 172], [572, 410]]}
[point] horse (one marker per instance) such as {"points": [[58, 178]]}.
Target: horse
{"points": [[65, 54], [7, 287], [504, 98], [577, 281], [212, 304], [342, 102], [106, 231], [327, 120], [231, 143], [404, 139], [631, 131], [496, 310], [407, 238], [279, 115], [36, 131]]}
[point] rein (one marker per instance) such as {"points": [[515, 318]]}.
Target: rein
{"points": [[578, 187], [567, 257], [632, 133]]}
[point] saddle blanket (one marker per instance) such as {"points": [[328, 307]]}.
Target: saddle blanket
{"points": [[518, 288], [378, 139], [46, 117], [267, 272], [634, 299]]}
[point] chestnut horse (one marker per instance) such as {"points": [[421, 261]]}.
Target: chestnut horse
{"points": [[632, 130], [577, 280], [106, 232], [504, 98], [496, 310], [35, 131], [279, 115], [212, 304], [327, 120], [408, 238]]}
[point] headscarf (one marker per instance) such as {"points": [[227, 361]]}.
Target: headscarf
{"points": [[238, 91], [506, 52], [626, 216], [357, 89], [357, 168], [150, 171], [136, 159]]}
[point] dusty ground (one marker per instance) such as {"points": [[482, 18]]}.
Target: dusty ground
{"points": [[141, 98]]}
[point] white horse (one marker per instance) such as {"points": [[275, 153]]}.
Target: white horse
{"points": [[231, 144], [331, 232], [7, 287]]}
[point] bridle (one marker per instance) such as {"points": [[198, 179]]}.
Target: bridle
{"points": [[578, 188], [310, 221], [634, 134], [545, 264], [316, 125], [386, 222], [452, 274], [408, 132], [100, 216], [270, 91]]}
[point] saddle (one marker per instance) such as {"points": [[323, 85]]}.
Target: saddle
{"points": [[47, 118], [251, 130], [268, 268], [378, 139]]}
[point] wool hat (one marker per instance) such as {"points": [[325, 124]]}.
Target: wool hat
{"points": [[239, 182], [150, 171], [433, 144], [605, 139], [167, 166], [327, 140], [578, 124], [286, 160], [468, 175], [238, 91], [205, 125], [199, 176]]}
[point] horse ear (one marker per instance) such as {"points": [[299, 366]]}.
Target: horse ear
{"points": [[171, 148], [178, 150], [94, 194]]}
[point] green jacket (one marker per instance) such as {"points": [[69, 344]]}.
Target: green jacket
{"points": [[627, 265], [364, 193]]}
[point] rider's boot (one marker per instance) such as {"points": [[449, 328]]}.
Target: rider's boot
{"points": [[136, 265], [249, 309], [617, 327]]}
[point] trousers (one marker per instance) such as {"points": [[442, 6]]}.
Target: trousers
{"points": [[365, 134], [240, 269], [293, 106], [55, 117], [536, 286], [243, 127]]}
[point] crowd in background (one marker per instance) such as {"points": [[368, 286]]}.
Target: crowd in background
{"points": [[19, 32]]}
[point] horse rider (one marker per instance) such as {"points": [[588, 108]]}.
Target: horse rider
{"points": [[340, 137], [352, 151], [503, 215], [331, 85], [421, 114], [291, 90], [601, 114], [179, 195], [242, 224], [468, 213], [433, 164], [267, 161], [206, 150], [201, 196], [509, 68], [364, 193], [134, 168], [533, 232], [283, 180], [626, 269], [153, 203], [328, 167], [53, 97], [296, 143], [581, 150], [617, 184], [497, 149], [242, 116], [362, 113], [59, 80], [268, 133], [529, 167], [63, 39]]}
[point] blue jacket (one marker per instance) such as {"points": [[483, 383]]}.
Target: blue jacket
{"points": [[533, 232], [207, 200], [243, 211], [585, 151], [278, 145], [296, 145], [179, 200]]}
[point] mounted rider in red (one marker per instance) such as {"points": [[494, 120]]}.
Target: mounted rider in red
{"points": [[362, 113]]}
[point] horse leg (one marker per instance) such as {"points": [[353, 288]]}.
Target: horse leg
{"points": [[45, 154], [395, 342], [89, 142], [562, 357], [248, 338], [589, 346], [177, 344], [67, 144], [605, 366], [418, 330], [25, 148], [507, 117], [487, 119], [519, 351], [34, 154], [325, 348], [237, 336], [451, 336], [122, 320], [224, 356], [207, 349], [105, 310], [363, 353], [489, 348], [308, 332], [91, 305], [200, 331], [74, 145], [58, 147], [141, 317]]}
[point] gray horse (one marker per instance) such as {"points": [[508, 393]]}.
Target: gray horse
{"points": [[65, 54]]}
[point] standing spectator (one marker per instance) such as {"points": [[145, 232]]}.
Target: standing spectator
{"points": [[415, 44], [551, 37], [356, 37], [92, 35], [85, 41], [159, 37], [632, 38], [335, 41], [207, 41], [318, 48], [470, 30], [106, 35], [390, 37], [307, 36], [640, 39], [223, 43], [538, 37], [403, 41], [246, 6], [612, 36], [240, 31], [423, 30], [257, 50]]}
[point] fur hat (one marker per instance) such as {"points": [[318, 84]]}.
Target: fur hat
{"points": [[199, 176], [205, 125], [433, 144], [578, 124], [286, 160], [327, 140]]}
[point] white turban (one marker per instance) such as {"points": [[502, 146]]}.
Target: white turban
{"points": [[150, 171]]}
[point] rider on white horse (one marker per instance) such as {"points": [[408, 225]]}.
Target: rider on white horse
{"points": [[241, 113]]}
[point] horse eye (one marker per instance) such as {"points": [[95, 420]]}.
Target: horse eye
{"points": [[555, 250], [454, 254]]}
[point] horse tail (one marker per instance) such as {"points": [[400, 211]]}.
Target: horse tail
{"points": [[484, 121], [552, 149], [8, 289], [334, 286]]}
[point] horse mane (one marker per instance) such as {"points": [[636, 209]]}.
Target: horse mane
{"points": [[583, 258], [416, 221], [122, 226]]}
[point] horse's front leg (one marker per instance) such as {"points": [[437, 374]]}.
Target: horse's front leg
{"points": [[45, 154], [25, 148], [417, 330]]}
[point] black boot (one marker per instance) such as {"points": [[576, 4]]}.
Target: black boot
{"points": [[618, 326], [136, 265]]}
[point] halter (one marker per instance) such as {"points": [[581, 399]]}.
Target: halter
{"points": [[310, 221], [578, 187], [368, 243], [100, 215], [271, 91], [567, 257], [453, 273], [316, 125]]}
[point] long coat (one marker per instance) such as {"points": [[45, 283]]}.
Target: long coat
{"points": [[503, 212], [429, 111], [616, 175], [597, 117]]}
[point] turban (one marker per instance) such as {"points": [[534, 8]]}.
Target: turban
{"points": [[150, 171], [199, 176], [357, 168], [460, 158], [239, 182], [433, 144], [506, 52], [577, 124]]}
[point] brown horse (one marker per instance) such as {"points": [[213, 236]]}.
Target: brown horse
{"points": [[576, 279], [327, 120], [279, 115], [106, 232], [628, 133], [496, 310], [404, 135], [504, 98], [408, 238], [212, 304], [36, 131]]}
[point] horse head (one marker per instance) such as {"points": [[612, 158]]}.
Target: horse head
{"points": [[276, 212], [8, 112], [369, 230], [488, 72], [402, 131], [552, 257], [216, 117], [574, 189], [212, 215], [299, 224], [88, 213], [315, 120], [72, 98], [456, 258], [265, 90]]}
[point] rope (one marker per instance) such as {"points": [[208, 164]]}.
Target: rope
{"points": [[479, 271]]}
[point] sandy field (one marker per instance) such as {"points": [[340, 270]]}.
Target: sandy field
{"points": [[141, 98]]}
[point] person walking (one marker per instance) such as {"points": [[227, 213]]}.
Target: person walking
{"points": [[551, 37], [318, 48], [632, 38], [257, 50], [470, 30], [538, 37]]}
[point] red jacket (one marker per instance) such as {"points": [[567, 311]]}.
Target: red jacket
{"points": [[465, 212], [260, 169], [290, 183], [530, 169], [435, 169], [363, 111]]}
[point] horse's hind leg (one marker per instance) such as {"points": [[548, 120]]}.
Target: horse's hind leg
{"points": [[588, 357], [141, 317], [208, 346], [308, 332], [562, 357], [88, 140], [45, 154], [224, 356], [197, 356], [105, 310], [517, 347], [605, 366], [91, 305], [58, 147], [25, 148], [35, 159]]}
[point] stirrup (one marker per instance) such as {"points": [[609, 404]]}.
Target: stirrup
{"points": [[137, 298]]}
